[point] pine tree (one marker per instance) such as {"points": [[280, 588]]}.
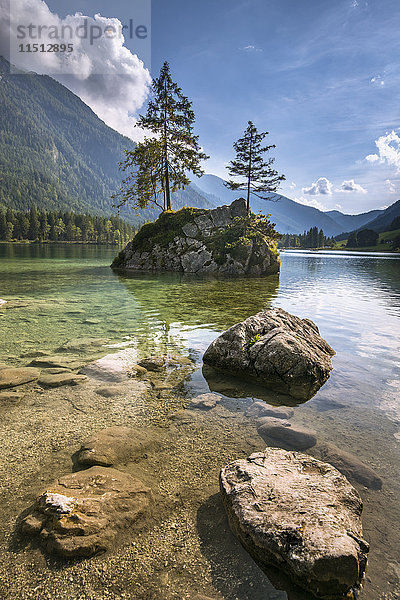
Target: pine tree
{"points": [[144, 184], [170, 118], [3, 226], [34, 224], [260, 177]]}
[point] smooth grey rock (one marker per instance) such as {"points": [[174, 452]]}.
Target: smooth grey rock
{"points": [[116, 445], [83, 513], [221, 216], [193, 262], [204, 223], [301, 515], [287, 433], [13, 376], [261, 409], [190, 230], [275, 348], [238, 208], [348, 464]]}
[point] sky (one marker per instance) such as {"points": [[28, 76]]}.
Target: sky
{"points": [[321, 76]]}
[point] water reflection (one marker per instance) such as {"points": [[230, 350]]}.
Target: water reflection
{"points": [[202, 301]]}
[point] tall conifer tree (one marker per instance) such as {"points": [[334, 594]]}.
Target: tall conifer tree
{"points": [[260, 178], [161, 164]]}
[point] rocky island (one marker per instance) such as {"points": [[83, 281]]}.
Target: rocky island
{"points": [[224, 240]]}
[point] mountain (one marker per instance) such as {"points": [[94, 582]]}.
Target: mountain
{"points": [[56, 153], [289, 216], [384, 220], [351, 222]]}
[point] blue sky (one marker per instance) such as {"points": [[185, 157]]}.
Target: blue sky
{"points": [[322, 76]]}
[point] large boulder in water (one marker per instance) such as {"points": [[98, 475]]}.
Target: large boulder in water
{"points": [[194, 240], [297, 513], [278, 349]]}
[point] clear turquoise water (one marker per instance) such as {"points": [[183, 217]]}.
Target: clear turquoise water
{"points": [[354, 299]]}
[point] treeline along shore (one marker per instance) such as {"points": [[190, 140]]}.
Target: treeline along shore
{"points": [[61, 226]]}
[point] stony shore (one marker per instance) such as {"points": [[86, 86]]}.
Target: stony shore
{"points": [[185, 550]]}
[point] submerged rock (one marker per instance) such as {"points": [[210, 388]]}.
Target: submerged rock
{"points": [[89, 345], [12, 377], [111, 368], [294, 512], [205, 401], [262, 409], [192, 241], [278, 349], [286, 433], [82, 514], [11, 396], [116, 445], [58, 361], [164, 361], [57, 380], [349, 465], [110, 391]]}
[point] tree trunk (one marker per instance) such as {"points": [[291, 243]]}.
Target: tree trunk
{"points": [[249, 176], [167, 190], [167, 187]]}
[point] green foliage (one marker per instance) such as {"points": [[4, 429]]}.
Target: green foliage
{"points": [[143, 185], [168, 226], [396, 243], [260, 178], [254, 340], [395, 224], [161, 164], [54, 151], [62, 226], [243, 232], [362, 239], [313, 238]]}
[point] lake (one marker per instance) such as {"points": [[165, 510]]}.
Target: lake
{"points": [[68, 291]]}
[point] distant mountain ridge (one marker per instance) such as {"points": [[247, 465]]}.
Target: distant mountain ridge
{"points": [[289, 216], [56, 153]]}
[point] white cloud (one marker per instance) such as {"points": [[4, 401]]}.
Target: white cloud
{"points": [[377, 79], [372, 158], [104, 74], [313, 202], [351, 186], [391, 186], [320, 187], [388, 151], [292, 185], [251, 48]]}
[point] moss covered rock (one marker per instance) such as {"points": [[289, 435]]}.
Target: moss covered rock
{"points": [[222, 240]]}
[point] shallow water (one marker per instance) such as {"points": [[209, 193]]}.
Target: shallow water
{"points": [[70, 292]]}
